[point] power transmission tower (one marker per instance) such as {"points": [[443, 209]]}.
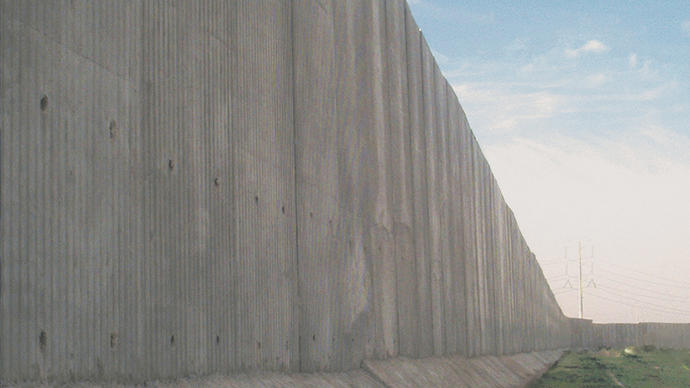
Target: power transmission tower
{"points": [[579, 255], [591, 281], [581, 280]]}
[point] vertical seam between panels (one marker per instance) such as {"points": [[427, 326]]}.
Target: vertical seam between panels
{"points": [[294, 188]]}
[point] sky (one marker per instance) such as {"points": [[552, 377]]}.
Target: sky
{"points": [[583, 112]]}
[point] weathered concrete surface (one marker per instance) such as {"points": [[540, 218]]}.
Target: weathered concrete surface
{"points": [[487, 371], [212, 186]]}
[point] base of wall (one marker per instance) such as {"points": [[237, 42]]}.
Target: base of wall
{"points": [[490, 371]]}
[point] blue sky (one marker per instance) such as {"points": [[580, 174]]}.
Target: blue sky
{"points": [[583, 111]]}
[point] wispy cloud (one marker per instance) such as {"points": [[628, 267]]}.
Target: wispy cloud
{"points": [[516, 45], [440, 58], [686, 27], [546, 92], [516, 107], [592, 46], [596, 80], [454, 12]]}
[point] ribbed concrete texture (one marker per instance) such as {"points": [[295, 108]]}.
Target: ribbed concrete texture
{"points": [[253, 186]]}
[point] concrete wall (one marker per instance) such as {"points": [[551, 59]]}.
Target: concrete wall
{"points": [[225, 186]]}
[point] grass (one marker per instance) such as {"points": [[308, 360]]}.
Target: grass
{"points": [[632, 368]]}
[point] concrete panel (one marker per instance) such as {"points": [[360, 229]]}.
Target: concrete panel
{"points": [[457, 184], [107, 34], [374, 189], [446, 233], [265, 253], [356, 305], [490, 258], [513, 284], [431, 127], [523, 275], [531, 305], [63, 177], [503, 281], [471, 236], [495, 260], [322, 222], [400, 178], [187, 157], [486, 334], [423, 340]]}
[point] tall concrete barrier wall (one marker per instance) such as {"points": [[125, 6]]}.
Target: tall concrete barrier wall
{"points": [[196, 187]]}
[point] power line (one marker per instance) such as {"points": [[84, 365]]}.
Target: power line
{"points": [[559, 277], [647, 275], [582, 298], [658, 293], [567, 277], [629, 295], [608, 290], [563, 291], [678, 282], [643, 280], [551, 262], [632, 305], [626, 295]]}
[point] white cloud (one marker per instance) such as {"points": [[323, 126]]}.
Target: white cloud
{"points": [[592, 46], [686, 27], [440, 58], [508, 97], [596, 80], [498, 108], [517, 45], [647, 70]]}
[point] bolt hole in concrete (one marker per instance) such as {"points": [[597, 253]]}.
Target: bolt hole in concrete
{"points": [[113, 339], [113, 129], [43, 341], [216, 181], [313, 338], [172, 340], [256, 199], [44, 102], [217, 339], [282, 208], [171, 164]]}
